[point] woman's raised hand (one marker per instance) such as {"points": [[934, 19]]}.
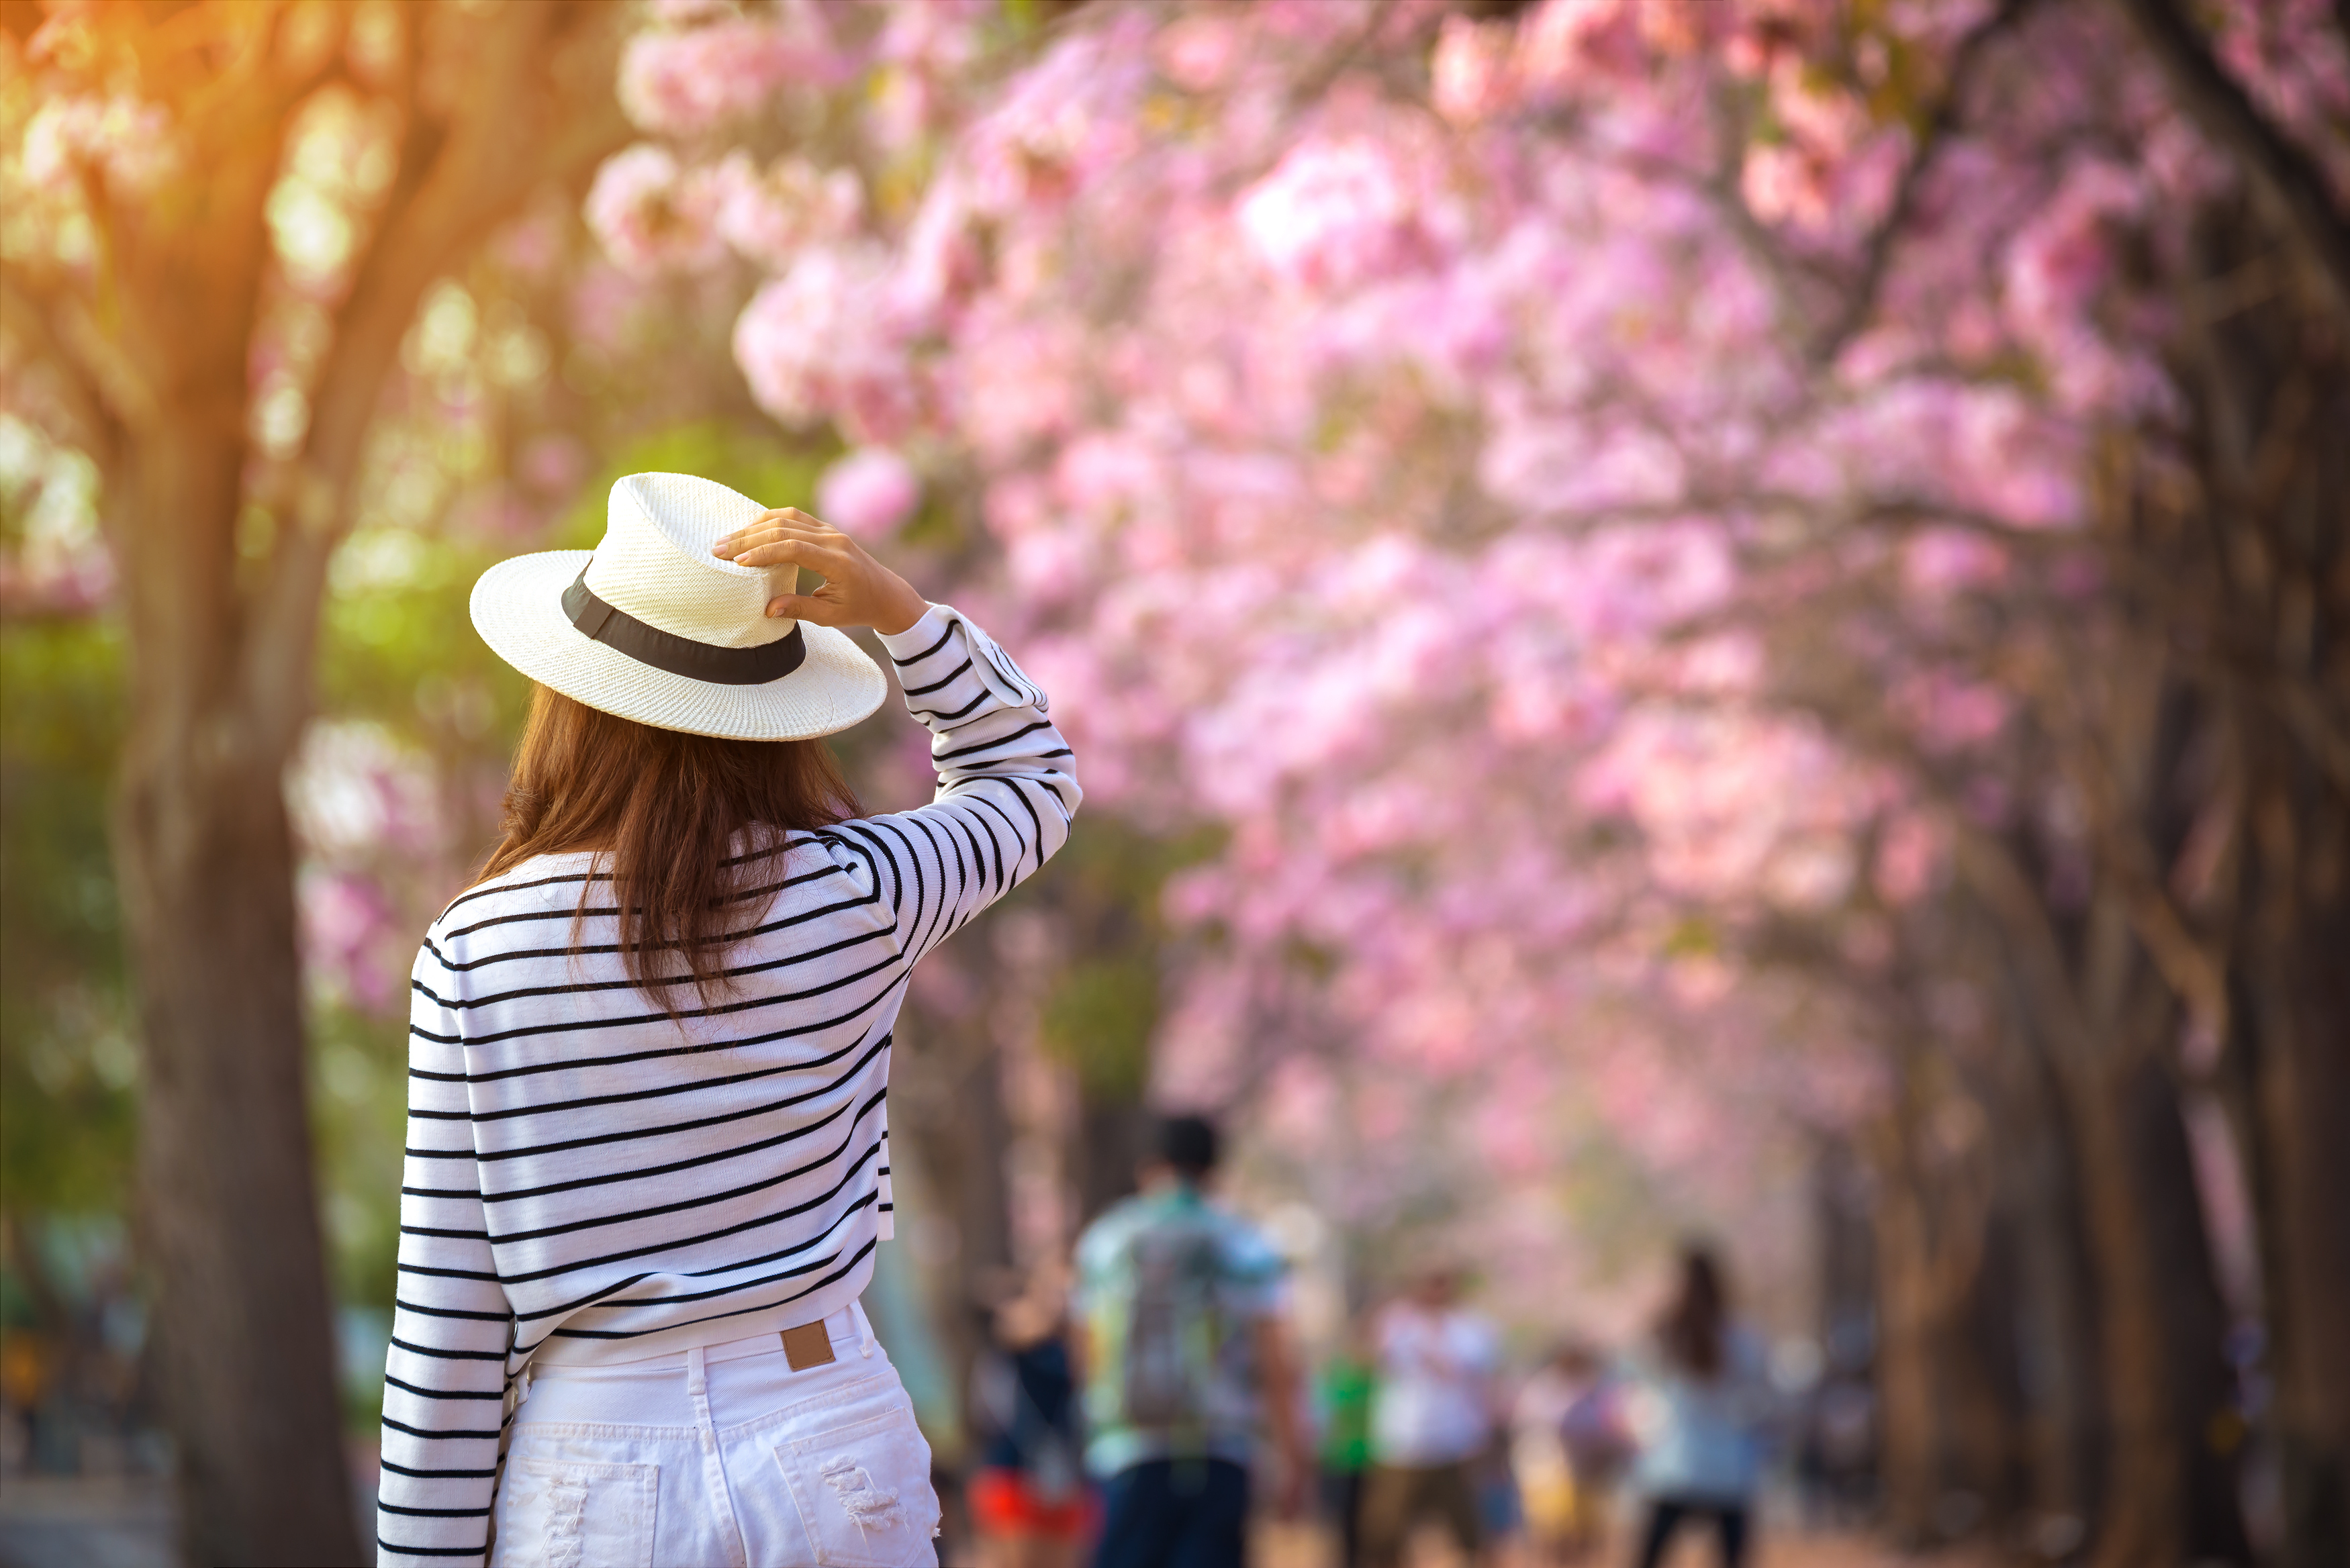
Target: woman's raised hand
{"points": [[858, 591]]}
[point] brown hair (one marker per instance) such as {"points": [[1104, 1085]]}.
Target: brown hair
{"points": [[686, 827], [1694, 1326]]}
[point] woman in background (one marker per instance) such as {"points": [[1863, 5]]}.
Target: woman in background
{"points": [[1698, 1416]]}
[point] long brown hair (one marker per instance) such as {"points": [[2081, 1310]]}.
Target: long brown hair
{"points": [[1695, 1326], [687, 827]]}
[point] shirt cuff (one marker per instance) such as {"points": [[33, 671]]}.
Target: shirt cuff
{"points": [[917, 638], [989, 665]]}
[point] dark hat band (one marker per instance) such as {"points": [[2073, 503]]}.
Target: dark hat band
{"points": [[624, 633]]}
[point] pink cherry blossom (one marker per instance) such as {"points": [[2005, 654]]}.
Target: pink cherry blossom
{"points": [[683, 83], [1332, 215], [869, 492], [1399, 444], [650, 215]]}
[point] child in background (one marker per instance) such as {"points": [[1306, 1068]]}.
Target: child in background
{"points": [[1538, 1457], [1030, 1505]]}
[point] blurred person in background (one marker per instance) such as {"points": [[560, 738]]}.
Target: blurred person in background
{"points": [[1835, 1455], [1599, 1448], [1431, 1418], [1183, 1350], [1698, 1415], [648, 1164], [1030, 1505], [1558, 1454], [1343, 1393]]}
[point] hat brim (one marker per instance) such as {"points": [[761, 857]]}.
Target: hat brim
{"points": [[517, 607]]}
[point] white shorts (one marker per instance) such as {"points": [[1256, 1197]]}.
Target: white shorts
{"points": [[721, 1457]]}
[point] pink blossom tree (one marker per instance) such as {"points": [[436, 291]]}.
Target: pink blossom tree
{"points": [[1599, 506]]}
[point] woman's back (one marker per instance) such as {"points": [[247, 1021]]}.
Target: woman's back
{"points": [[1700, 1436], [642, 1174]]}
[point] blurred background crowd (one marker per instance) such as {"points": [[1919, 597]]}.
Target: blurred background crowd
{"points": [[1682, 620]]}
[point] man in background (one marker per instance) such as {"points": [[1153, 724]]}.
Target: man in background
{"points": [[1431, 1418], [1183, 1351]]}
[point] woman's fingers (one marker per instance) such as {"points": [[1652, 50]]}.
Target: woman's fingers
{"points": [[802, 606], [805, 553], [783, 522], [857, 591], [772, 534]]}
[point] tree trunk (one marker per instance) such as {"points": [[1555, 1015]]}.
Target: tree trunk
{"points": [[2139, 1522], [946, 1099], [2302, 1112], [2267, 383], [206, 860], [1112, 1136], [1909, 1445], [2056, 1338], [2096, 1031], [2194, 1319], [493, 101]]}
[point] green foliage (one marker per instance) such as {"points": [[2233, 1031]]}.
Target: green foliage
{"points": [[1692, 936], [68, 1064], [1105, 884], [1099, 1019]]}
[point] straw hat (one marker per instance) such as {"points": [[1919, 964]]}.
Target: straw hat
{"points": [[650, 626]]}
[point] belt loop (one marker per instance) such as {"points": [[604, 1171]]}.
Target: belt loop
{"points": [[864, 1329], [522, 1396], [697, 1388]]}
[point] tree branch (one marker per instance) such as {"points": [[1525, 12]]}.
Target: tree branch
{"points": [[1860, 302], [537, 106], [25, 315], [2287, 177]]}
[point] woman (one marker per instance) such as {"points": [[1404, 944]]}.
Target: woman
{"points": [[1699, 1416], [649, 1155]]}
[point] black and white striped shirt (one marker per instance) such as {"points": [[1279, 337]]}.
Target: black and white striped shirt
{"points": [[588, 1179]]}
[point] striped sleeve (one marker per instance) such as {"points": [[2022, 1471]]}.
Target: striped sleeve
{"points": [[444, 1378], [1007, 785]]}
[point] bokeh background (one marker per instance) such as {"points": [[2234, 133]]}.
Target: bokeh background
{"points": [[1679, 617]]}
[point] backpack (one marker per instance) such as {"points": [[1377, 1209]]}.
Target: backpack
{"points": [[1175, 1329]]}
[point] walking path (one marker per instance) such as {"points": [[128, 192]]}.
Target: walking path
{"points": [[60, 1522], [1285, 1546]]}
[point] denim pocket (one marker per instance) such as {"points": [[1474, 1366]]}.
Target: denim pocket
{"points": [[574, 1513], [863, 1489]]}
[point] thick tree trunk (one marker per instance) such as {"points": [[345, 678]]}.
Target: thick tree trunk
{"points": [[493, 101], [2269, 383], [946, 1100], [2054, 1305], [2194, 1319], [2139, 1523], [2096, 1031], [2056, 1341], [1112, 1136], [1909, 1444], [1991, 1452], [206, 862], [2302, 1110]]}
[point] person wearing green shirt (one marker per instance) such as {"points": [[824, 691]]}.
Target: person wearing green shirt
{"points": [[1348, 1380]]}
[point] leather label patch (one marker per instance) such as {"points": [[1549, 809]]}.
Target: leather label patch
{"points": [[808, 1345]]}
